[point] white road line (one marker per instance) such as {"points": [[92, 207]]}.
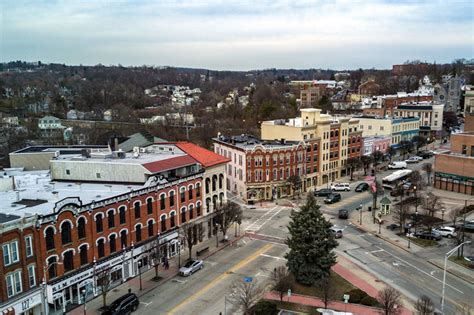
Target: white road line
{"points": [[146, 304], [259, 274], [180, 281], [375, 251], [422, 271], [265, 235], [267, 216], [274, 257]]}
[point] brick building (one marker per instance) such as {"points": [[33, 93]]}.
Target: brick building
{"points": [[369, 88]]}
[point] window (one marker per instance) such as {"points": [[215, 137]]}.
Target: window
{"points": [[99, 226], [31, 276], [111, 218], [136, 206], [191, 210], [149, 205], [49, 237], [123, 239], [183, 215], [198, 190], [163, 221], [190, 193], [81, 228], [68, 172], [97, 175], [52, 267], [172, 198], [138, 233], [112, 243], [183, 194], [14, 283], [29, 246], [68, 261], [66, 232], [122, 215], [198, 209], [162, 202], [150, 228], [83, 254], [10, 253], [101, 248], [464, 149]]}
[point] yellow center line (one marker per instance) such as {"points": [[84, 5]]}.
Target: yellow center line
{"points": [[226, 274]]}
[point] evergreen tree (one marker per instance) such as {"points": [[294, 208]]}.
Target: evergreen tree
{"points": [[311, 244]]}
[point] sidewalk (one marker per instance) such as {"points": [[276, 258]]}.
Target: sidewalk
{"points": [[147, 283]]}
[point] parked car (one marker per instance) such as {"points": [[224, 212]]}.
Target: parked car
{"points": [[414, 159], [191, 267], [332, 198], [362, 187], [446, 231], [393, 227], [469, 259], [425, 154], [397, 165], [340, 187], [428, 235], [343, 214], [322, 192], [123, 305], [337, 231], [469, 226]]}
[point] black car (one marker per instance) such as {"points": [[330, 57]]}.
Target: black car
{"points": [[322, 192], [343, 214], [123, 305], [362, 187], [393, 227], [425, 154], [428, 235], [332, 198]]}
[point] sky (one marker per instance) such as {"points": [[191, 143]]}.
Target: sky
{"points": [[237, 35]]}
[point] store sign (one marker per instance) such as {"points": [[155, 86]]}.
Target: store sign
{"points": [[25, 303], [74, 202]]}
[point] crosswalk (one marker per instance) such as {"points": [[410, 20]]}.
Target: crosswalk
{"points": [[266, 217]]}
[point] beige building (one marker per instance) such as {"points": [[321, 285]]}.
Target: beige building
{"points": [[398, 128], [372, 126], [339, 138], [431, 117]]}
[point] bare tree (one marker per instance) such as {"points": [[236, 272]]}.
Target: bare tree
{"points": [[366, 161], [295, 182], [352, 164], [424, 306], [400, 214], [327, 288], [464, 309], [416, 179], [190, 233], [104, 282], [227, 214], [391, 301], [282, 280], [432, 204], [245, 295], [428, 168], [155, 255], [455, 214]]}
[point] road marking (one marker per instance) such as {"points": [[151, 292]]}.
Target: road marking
{"points": [[265, 235], [179, 280], [274, 257], [375, 251], [223, 276], [422, 271], [259, 274], [146, 304], [255, 226]]}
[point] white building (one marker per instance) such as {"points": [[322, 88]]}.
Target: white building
{"points": [[431, 116]]}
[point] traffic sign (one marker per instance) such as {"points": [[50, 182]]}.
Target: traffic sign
{"points": [[248, 279]]}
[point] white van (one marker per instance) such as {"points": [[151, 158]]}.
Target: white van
{"points": [[340, 187], [397, 165]]}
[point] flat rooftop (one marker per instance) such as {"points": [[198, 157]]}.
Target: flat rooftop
{"points": [[250, 142], [72, 149]]}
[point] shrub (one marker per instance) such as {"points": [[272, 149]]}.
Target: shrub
{"points": [[356, 295], [369, 301], [264, 307]]}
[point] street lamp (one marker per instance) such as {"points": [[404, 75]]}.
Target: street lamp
{"points": [[446, 256], [140, 273], [45, 282], [360, 214], [409, 236], [442, 214], [217, 234], [83, 291]]}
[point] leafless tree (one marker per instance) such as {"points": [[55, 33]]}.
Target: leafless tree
{"points": [[400, 214], [432, 204], [245, 295], [424, 306], [190, 233], [428, 168], [391, 301], [155, 254], [416, 179], [282, 280], [104, 282], [327, 288], [464, 309], [455, 214], [227, 214]]}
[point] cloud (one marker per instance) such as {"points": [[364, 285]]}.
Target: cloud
{"points": [[237, 34]]}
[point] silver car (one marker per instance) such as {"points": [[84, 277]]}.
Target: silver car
{"points": [[191, 267]]}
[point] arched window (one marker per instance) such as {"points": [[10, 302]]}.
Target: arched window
{"points": [[162, 202], [99, 226], [208, 183], [138, 233], [172, 219], [214, 182], [66, 232], [172, 198], [337, 133], [150, 228], [191, 214], [52, 267], [112, 243], [221, 181], [123, 239], [149, 205], [198, 209], [332, 134], [190, 193], [136, 205], [111, 218], [81, 228], [183, 194], [101, 248], [68, 261], [122, 216], [183, 215], [49, 236], [198, 190], [83, 254], [163, 223]]}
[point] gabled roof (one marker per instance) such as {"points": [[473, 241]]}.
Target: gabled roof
{"points": [[205, 157], [168, 164]]}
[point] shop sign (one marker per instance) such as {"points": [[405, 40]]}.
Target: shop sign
{"points": [[25, 303]]}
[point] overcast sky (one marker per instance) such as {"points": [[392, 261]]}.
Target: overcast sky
{"points": [[237, 35]]}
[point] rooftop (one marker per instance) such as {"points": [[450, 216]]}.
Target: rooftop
{"points": [[205, 157], [249, 142]]}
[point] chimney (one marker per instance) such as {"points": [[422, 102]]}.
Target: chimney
{"points": [[17, 195], [110, 187]]}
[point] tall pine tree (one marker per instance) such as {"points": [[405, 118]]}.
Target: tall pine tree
{"points": [[311, 244]]}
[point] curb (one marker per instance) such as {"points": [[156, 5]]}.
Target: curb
{"points": [[451, 273]]}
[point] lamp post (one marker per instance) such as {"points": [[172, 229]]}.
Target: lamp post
{"points": [[380, 221], [409, 237], [235, 226], [140, 273], [446, 256], [360, 214], [45, 283], [83, 291], [442, 214]]}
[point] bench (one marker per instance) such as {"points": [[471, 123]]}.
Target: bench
{"points": [[202, 250]]}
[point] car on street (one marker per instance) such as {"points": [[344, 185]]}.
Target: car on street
{"points": [[425, 154], [469, 226], [397, 165], [332, 198], [414, 159], [428, 235], [343, 214], [340, 187], [393, 227], [446, 231], [322, 192], [469, 259], [191, 267], [336, 231], [123, 305], [362, 187]]}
